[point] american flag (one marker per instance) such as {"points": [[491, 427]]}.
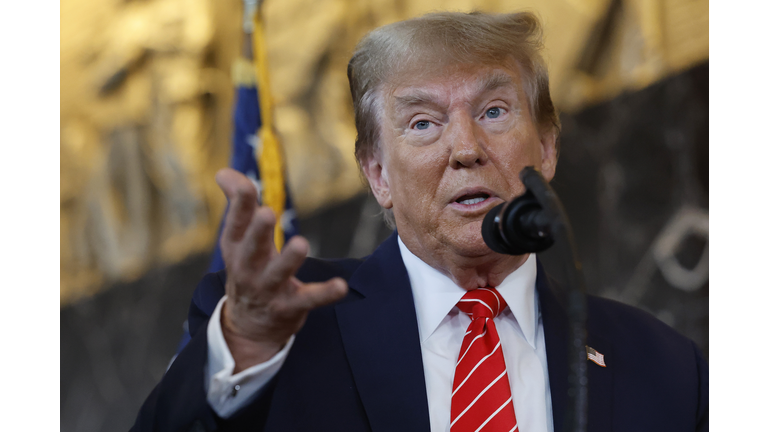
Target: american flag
{"points": [[256, 150], [595, 356]]}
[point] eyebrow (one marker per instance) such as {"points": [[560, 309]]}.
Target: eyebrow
{"points": [[487, 83], [415, 98]]}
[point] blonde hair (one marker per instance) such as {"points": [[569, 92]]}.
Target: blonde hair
{"points": [[437, 39]]}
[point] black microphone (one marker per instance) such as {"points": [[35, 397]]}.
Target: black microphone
{"points": [[518, 227], [531, 223]]}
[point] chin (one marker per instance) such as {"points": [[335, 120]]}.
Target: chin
{"points": [[470, 243]]}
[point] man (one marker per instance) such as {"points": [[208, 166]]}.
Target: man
{"points": [[434, 330]]}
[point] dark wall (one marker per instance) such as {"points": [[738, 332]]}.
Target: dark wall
{"points": [[116, 346], [633, 176]]}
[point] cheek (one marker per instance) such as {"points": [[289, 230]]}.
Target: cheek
{"points": [[514, 151], [416, 176], [517, 148]]}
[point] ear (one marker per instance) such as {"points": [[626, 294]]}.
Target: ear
{"points": [[378, 178], [548, 153]]}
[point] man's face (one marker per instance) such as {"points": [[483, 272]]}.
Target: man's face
{"points": [[452, 145]]}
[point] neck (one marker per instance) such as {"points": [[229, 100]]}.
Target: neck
{"points": [[470, 272]]}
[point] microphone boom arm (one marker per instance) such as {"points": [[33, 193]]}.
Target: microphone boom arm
{"points": [[534, 222]]}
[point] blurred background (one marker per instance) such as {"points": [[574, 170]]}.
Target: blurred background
{"points": [[147, 101]]}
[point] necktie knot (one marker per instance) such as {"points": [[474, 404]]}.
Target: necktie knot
{"points": [[482, 303]]}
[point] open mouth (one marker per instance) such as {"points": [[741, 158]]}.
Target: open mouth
{"points": [[471, 199]]}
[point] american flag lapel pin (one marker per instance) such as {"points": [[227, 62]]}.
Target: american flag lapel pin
{"points": [[595, 356]]}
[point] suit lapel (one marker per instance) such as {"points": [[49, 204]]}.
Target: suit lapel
{"points": [[556, 338], [381, 339], [555, 321], [601, 392]]}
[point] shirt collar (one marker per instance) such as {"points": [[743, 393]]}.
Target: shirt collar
{"points": [[435, 294]]}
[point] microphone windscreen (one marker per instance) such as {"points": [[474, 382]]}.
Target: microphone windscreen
{"points": [[491, 233]]}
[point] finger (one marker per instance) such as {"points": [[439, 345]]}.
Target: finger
{"points": [[287, 263], [259, 240], [243, 199], [313, 295]]}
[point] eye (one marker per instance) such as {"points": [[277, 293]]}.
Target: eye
{"points": [[493, 113], [421, 125]]}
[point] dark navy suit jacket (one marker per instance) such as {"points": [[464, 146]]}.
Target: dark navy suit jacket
{"points": [[356, 365]]}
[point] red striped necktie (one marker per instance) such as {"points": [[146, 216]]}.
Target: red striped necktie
{"points": [[481, 398]]}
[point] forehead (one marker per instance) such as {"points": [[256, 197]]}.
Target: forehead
{"points": [[440, 85]]}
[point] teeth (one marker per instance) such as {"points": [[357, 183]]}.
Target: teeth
{"points": [[472, 201]]}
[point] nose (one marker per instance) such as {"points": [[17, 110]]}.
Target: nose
{"points": [[467, 142]]}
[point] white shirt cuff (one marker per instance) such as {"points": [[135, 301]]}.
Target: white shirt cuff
{"points": [[227, 393]]}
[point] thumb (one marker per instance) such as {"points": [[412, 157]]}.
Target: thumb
{"points": [[313, 295]]}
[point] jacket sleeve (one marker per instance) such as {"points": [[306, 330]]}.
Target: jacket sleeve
{"points": [[179, 401]]}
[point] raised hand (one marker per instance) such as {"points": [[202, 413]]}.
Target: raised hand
{"points": [[265, 303]]}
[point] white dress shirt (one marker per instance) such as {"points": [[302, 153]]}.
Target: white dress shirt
{"points": [[227, 393], [441, 330]]}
